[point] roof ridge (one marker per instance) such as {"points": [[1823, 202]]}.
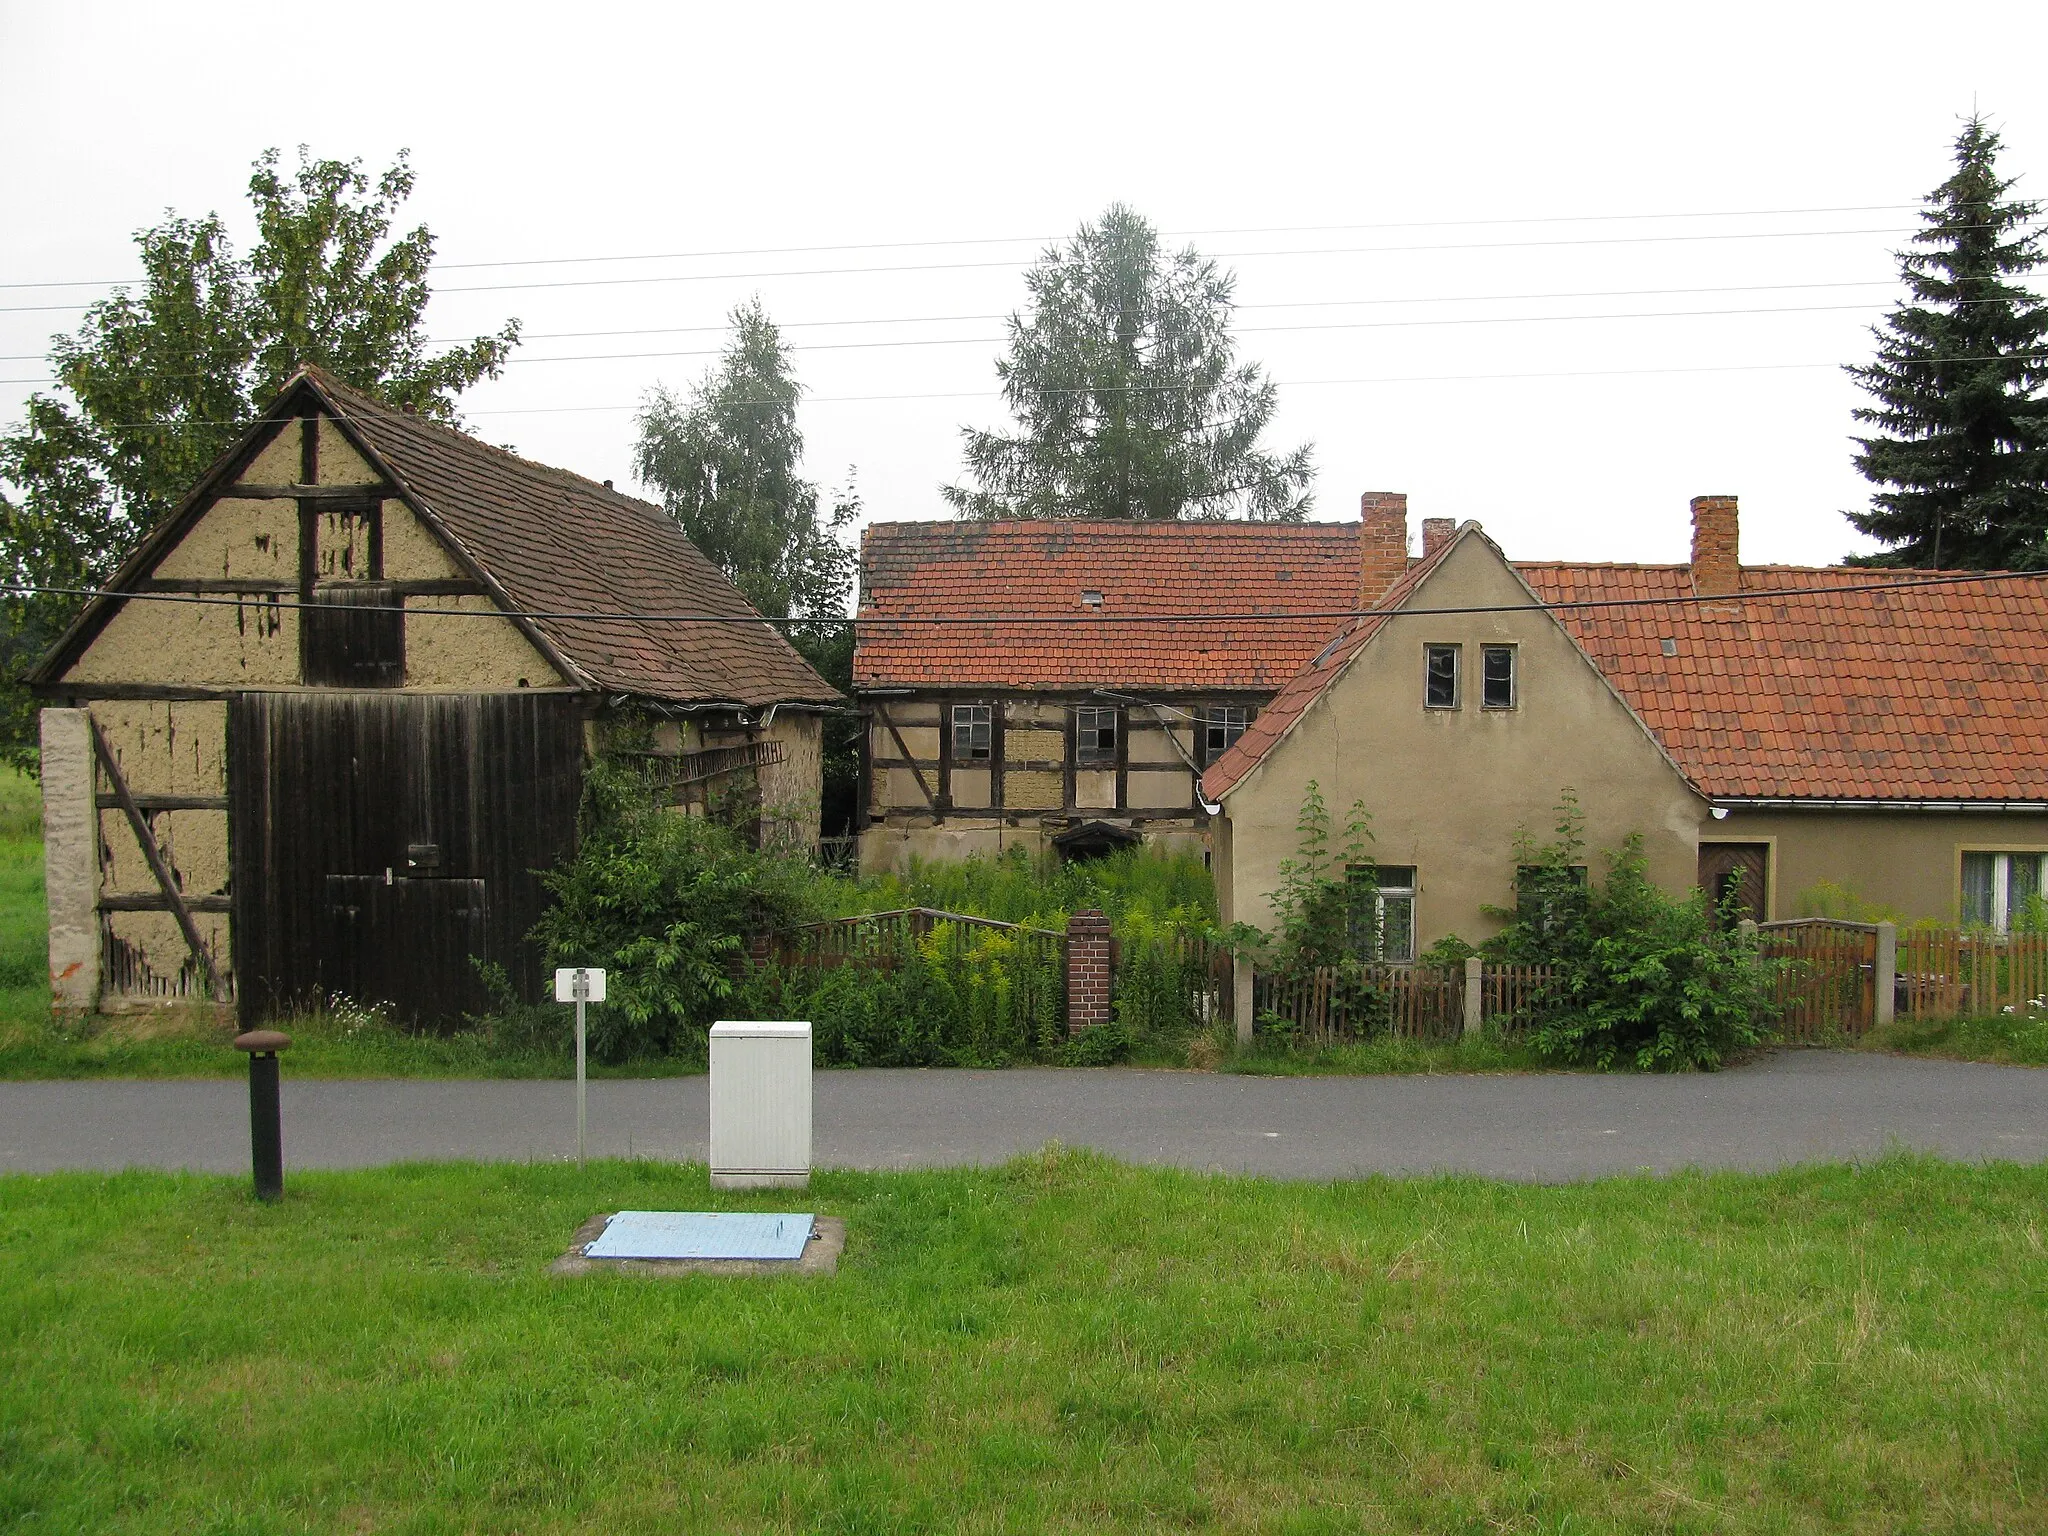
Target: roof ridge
{"points": [[403, 417]]}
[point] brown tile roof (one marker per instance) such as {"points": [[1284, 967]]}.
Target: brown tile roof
{"points": [[968, 570], [1899, 693], [556, 542]]}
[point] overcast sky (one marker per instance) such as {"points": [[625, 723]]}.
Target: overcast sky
{"points": [[1405, 192]]}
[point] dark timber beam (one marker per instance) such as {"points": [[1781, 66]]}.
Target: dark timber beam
{"points": [[308, 492], [173, 898]]}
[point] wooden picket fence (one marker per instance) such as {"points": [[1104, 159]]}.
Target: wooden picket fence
{"points": [[1410, 1002], [1827, 982], [1945, 973]]}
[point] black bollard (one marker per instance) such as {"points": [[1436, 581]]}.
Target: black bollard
{"points": [[266, 1131]]}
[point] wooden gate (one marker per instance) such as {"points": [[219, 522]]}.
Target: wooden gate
{"points": [[383, 840], [1828, 985]]}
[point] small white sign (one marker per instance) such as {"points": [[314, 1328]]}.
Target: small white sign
{"points": [[579, 984]]}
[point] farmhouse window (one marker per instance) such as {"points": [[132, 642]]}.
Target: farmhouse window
{"points": [[1382, 912], [2001, 889], [1222, 724], [1095, 736], [1497, 677], [1440, 676], [973, 732]]}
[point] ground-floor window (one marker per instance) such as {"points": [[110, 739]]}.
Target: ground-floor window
{"points": [[2001, 889], [1383, 914]]}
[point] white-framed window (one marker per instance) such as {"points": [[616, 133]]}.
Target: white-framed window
{"points": [[1440, 676], [1222, 724], [1497, 677], [1383, 912], [1095, 736], [1999, 888], [973, 732]]}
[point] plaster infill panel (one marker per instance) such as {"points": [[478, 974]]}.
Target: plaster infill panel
{"points": [[412, 552], [176, 747], [151, 947], [1095, 789], [1033, 789], [1034, 745], [340, 464], [251, 641], [251, 540], [484, 654], [973, 789], [1156, 788], [277, 462]]}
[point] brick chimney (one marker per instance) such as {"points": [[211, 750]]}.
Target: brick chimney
{"points": [[1436, 531], [1382, 543], [1716, 562]]}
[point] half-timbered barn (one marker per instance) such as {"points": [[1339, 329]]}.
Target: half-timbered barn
{"points": [[335, 712], [1065, 684]]}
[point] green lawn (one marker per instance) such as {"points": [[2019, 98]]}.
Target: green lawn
{"points": [[1062, 1344]]}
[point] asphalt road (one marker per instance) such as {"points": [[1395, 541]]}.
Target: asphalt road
{"points": [[1792, 1107]]}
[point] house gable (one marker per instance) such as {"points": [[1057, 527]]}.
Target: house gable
{"points": [[1450, 789], [227, 574]]}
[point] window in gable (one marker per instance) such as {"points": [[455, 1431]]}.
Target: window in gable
{"points": [[1095, 736], [1497, 677], [1440, 676], [973, 732]]}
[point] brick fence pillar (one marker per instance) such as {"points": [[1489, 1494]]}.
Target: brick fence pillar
{"points": [[1088, 971]]}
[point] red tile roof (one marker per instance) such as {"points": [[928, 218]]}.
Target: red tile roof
{"points": [[970, 570], [1897, 693]]}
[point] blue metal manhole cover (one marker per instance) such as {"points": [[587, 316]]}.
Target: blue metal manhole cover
{"points": [[701, 1235]]}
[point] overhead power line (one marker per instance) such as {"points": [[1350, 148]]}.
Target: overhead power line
{"points": [[1093, 618], [953, 266], [987, 394], [1170, 234]]}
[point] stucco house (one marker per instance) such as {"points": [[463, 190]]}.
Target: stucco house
{"points": [[335, 712], [1883, 732], [1041, 683]]}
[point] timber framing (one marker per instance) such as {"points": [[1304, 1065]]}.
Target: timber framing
{"points": [[167, 885]]}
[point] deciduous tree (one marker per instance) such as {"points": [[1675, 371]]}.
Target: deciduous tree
{"points": [[1129, 398]]}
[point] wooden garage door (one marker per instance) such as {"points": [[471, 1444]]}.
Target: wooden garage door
{"points": [[382, 842]]}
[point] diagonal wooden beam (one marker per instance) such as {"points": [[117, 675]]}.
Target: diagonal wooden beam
{"points": [[173, 897], [931, 801]]}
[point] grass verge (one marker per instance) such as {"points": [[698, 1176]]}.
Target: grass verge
{"points": [[1387, 1055], [2013, 1039], [1061, 1344]]}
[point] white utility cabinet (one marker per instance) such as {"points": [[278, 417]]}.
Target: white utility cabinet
{"points": [[760, 1104]]}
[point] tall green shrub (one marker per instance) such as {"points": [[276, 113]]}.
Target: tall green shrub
{"points": [[663, 901], [1642, 978]]}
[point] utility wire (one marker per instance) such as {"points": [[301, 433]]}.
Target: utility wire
{"points": [[1249, 330], [1171, 234], [1094, 619], [988, 394], [952, 266]]}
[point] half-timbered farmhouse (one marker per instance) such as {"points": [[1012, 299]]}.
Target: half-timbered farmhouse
{"points": [[1042, 682], [335, 712]]}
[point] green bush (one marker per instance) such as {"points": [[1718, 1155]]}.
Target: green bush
{"points": [[663, 901], [1643, 978], [957, 996]]}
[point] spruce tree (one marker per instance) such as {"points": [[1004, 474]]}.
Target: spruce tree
{"points": [[1962, 429], [1128, 396]]}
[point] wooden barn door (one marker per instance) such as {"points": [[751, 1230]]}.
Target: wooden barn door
{"points": [[383, 841], [1722, 865]]}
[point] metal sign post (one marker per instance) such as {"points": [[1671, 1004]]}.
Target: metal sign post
{"points": [[580, 985]]}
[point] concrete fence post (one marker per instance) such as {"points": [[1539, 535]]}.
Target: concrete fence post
{"points": [[1241, 996], [71, 865], [1088, 971], [1887, 978], [1475, 994]]}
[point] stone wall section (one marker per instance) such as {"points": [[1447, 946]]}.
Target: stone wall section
{"points": [[70, 862]]}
